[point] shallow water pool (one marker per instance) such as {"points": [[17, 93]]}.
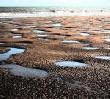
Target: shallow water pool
{"points": [[70, 41], [40, 35], [57, 25], [84, 34], [70, 64], [18, 70], [14, 30], [17, 36], [107, 40], [103, 57], [38, 31], [5, 56], [2, 43], [90, 48]]}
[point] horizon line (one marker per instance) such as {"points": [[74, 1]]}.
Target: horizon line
{"points": [[58, 6]]}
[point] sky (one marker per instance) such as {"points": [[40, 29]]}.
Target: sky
{"points": [[65, 3]]}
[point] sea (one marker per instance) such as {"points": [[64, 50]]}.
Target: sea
{"points": [[14, 12]]}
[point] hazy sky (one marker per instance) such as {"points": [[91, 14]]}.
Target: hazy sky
{"points": [[68, 3]]}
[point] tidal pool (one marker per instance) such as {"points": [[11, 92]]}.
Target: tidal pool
{"points": [[84, 34], [70, 64], [70, 41], [6, 55], [42, 36], [57, 25], [17, 36], [13, 30], [103, 57], [105, 31], [2, 43], [107, 40], [18, 70], [107, 48], [38, 31], [90, 48]]}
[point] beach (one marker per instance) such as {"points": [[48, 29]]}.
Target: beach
{"points": [[58, 55]]}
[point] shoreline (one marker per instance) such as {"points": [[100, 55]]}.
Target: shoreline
{"points": [[51, 14]]}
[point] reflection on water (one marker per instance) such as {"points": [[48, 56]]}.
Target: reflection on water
{"points": [[5, 56], [70, 64], [24, 71]]}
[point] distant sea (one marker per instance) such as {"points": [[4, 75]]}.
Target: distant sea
{"points": [[10, 12], [25, 9]]}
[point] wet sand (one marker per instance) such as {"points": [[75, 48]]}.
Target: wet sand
{"points": [[77, 40]]}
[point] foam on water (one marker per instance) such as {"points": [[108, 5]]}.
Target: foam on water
{"points": [[70, 64], [18, 70]]}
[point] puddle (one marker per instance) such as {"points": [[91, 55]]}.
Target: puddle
{"points": [[107, 48], [57, 25], [2, 43], [103, 57], [17, 36], [5, 56], [18, 70], [105, 31], [107, 40], [13, 30], [70, 41], [40, 35], [90, 48], [70, 64], [38, 31], [84, 34]]}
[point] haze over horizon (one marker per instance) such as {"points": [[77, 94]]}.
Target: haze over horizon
{"points": [[59, 3]]}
